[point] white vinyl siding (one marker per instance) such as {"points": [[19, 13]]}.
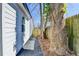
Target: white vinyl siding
{"points": [[8, 30]]}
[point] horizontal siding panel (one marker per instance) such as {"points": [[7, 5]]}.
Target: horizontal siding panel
{"points": [[8, 29]]}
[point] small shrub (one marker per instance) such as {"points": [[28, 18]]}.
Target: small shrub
{"points": [[36, 32]]}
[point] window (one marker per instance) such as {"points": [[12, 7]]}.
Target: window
{"points": [[23, 24]]}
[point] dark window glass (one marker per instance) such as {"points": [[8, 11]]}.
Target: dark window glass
{"points": [[23, 24]]}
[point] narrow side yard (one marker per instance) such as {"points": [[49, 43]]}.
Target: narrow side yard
{"points": [[36, 52]]}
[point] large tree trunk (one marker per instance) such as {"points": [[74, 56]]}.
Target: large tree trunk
{"points": [[57, 37]]}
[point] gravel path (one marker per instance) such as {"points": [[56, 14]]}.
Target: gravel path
{"points": [[36, 52]]}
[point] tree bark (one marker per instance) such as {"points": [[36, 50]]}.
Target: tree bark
{"points": [[57, 37]]}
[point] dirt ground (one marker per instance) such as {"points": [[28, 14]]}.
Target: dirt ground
{"points": [[44, 44]]}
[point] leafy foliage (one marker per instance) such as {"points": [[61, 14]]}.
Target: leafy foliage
{"points": [[47, 9], [36, 32], [63, 8]]}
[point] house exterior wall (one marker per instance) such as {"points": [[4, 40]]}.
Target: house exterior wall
{"points": [[0, 29], [31, 26], [19, 33]]}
